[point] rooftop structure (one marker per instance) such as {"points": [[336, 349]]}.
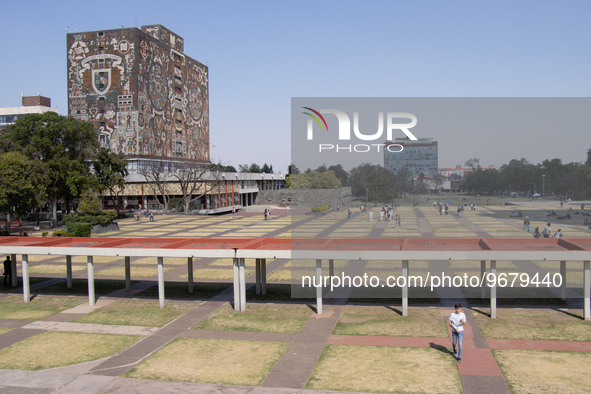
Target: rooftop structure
{"points": [[417, 157], [30, 105]]}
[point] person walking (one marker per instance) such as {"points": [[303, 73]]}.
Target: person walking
{"points": [[399, 221], [370, 215], [8, 271], [234, 212], [526, 224], [349, 214], [558, 234], [546, 232], [266, 213], [456, 321], [288, 209]]}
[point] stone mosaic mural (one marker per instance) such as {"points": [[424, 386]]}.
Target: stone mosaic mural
{"points": [[144, 96]]}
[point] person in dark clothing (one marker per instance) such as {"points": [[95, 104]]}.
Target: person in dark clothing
{"points": [[8, 271]]}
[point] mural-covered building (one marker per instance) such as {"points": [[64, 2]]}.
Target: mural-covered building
{"points": [[144, 96]]}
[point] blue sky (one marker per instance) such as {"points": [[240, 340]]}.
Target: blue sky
{"points": [[262, 53]]}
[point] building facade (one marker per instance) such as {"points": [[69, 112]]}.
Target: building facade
{"points": [[416, 157], [144, 96], [30, 105]]}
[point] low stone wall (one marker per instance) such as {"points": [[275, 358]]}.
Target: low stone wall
{"points": [[304, 198], [104, 228]]}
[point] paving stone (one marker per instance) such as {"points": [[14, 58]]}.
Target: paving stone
{"points": [[89, 384], [37, 379], [91, 328]]}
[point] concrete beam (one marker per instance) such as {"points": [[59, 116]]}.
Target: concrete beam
{"points": [[493, 291], [69, 272], [586, 290], [319, 288], [90, 269], [405, 288], [161, 281], [127, 273], [242, 287], [236, 287], [26, 286], [190, 274]]}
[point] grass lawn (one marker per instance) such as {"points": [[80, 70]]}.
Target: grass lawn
{"points": [[420, 322], [53, 349], [167, 261], [138, 272], [230, 263], [212, 273], [258, 318], [53, 269], [39, 307], [95, 259], [275, 292], [3, 330], [137, 313], [535, 371], [181, 290], [533, 324], [18, 289], [211, 361], [385, 370], [80, 286]]}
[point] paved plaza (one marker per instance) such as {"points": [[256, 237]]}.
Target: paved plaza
{"points": [[279, 345]]}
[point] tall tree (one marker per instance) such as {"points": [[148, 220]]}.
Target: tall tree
{"points": [[373, 182], [340, 173], [64, 145], [158, 177], [195, 179], [473, 163], [110, 170], [21, 184], [292, 169]]}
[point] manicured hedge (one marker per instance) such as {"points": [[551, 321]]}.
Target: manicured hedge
{"points": [[79, 229], [103, 217], [321, 208]]}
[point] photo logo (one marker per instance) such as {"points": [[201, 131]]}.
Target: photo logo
{"points": [[345, 129]]}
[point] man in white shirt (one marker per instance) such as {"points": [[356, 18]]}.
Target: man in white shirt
{"points": [[456, 322]]}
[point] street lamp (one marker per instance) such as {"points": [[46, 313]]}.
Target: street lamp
{"points": [[543, 185]]}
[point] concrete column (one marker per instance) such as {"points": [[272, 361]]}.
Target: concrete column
{"points": [[127, 273], [161, 281], [405, 288], [264, 276], [236, 285], [482, 275], [258, 275], [242, 287], [493, 290], [26, 287], [331, 270], [14, 270], [319, 287], [586, 290], [190, 273], [563, 284], [69, 272], [90, 268]]}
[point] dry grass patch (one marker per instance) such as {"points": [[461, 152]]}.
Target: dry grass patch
{"points": [[230, 262], [137, 313], [534, 324], [57, 349], [385, 370], [212, 273], [167, 261], [258, 318], [139, 272], [280, 275], [555, 264], [423, 322], [3, 330], [53, 269], [95, 259], [535, 371], [39, 307], [211, 361]]}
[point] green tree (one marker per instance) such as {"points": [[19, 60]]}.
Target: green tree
{"points": [[21, 184], [110, 170], [64, 145], [340, 173], [315, 180], [253, 168], [292, 169], [372, 181]]}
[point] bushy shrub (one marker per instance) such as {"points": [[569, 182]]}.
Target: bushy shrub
{"points": [[79, 229], [102, 217], [60, 233], [321, 208], [125, 215], [4, 233]]}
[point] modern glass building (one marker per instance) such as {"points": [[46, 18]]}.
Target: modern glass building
{"points": [[416, 157]]}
